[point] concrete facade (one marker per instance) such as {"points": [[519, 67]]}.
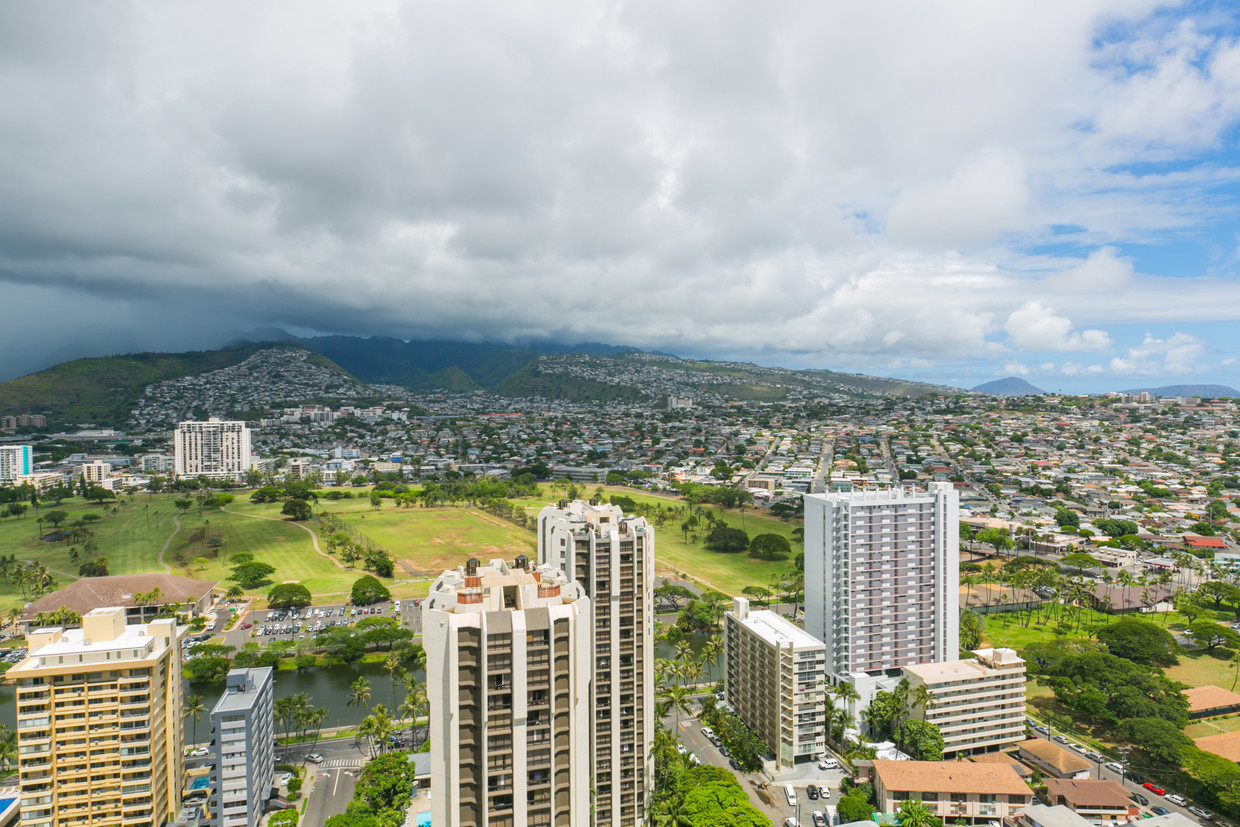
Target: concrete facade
{"points": [[612, 556], [242, 745], [15, 463], [214, 449], [977, 704], [508, 656], [125, 766], [776, 681], [882, 577]]}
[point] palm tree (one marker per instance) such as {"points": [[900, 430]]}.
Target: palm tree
{"points": [[392, 665], [359, 696], [377, 728], [194, 707], [925, 699], [8, 749], [414, 705], [914, 813], [677, 698]]}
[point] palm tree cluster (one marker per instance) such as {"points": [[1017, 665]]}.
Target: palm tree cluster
{"points": [[60, 617], [379, 728], [33, 578], [299, 719]]}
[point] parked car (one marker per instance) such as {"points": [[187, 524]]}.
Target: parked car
{"points": [[1204, 815], [726, 752], [1140, 799], [1078, 748], [828, 763], [314, 758], [791, 822], [734, 764], [709, 733], [812, 792], [1114, 767], [824, 791], [681, 749], [1177, 799], [199, 752], [1159, 811], [819, 819], [247, 625], [1153, 789], [1095, 757], [1041, 729], [1059, 739]]}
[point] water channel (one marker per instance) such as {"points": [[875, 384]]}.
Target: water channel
{"points": [[329, 688]]}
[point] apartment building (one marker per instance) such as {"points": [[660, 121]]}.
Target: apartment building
{"points": [[94, 473], [99, 717], [882, 577], [612, 556], [977, 704], [1096, 799], [12, 423], [242, 746], [214, 449], [776, 681], [953, 790], [16, 461], [508, 656]]}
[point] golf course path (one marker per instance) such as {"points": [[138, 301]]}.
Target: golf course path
{"points": [[314, 538], [168, 542]]}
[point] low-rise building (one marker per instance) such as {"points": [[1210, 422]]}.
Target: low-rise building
{"points": [[953, 790], [1052, 760], [1211, 701], [1092, 798], [1042, 815], [978, 705], [776, 681], [142, 596]]}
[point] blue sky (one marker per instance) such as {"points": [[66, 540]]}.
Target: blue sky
{"points": [[950, 192]]}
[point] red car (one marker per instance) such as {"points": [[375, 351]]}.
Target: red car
{"points": [[1153, 789], [247, 625]]}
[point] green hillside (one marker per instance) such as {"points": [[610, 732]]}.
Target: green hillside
{"points": [[530, 381]]}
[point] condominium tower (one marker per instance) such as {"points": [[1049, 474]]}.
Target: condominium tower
{"points": [[213, 449], [882, 578], [612, 557], [978, 704], [242, 739], [99, 718], [776, 681], [508, 653], [15, 462]]}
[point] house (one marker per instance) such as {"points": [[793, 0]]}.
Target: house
{"points": [[1004, 758], [954, 791], [1052, 760], [1123, 599], [1041, 815], [143, 596], [1211, 701], [1092, 798]]}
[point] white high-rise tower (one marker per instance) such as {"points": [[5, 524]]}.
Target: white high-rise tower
{"points": [[214, 449]]}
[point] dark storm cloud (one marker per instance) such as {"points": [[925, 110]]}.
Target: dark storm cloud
{"points": [[846, 186]]}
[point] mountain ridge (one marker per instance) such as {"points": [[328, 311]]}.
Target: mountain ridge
{"points": [[1009, 386]]}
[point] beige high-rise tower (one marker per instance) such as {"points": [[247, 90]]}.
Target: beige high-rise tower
{"points": [[508, 684], [99, 723], [612, 556]]}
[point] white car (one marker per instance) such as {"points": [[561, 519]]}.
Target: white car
{"points": [[681, 749], [284, 779], [1114, 767], [828, 763], [1176, 799], [198, 752]]}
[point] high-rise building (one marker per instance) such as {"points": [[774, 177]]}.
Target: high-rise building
{"points": [[214, 449], [15, 462], [99, 718], [776, 681], [612, 556], [977, 704], [508, 655], [242, 747], [882, 578]]}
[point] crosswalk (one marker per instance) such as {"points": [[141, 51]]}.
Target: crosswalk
{"points": [[342, 763]]}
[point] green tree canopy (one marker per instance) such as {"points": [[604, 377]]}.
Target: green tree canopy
{"points": [[769, 547], [726, 538], [288, 596], [297, 509], [1140, 641], [367, 590]]}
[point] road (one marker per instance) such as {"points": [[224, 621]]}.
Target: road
{"points": [[1101, 771], [333, 788]]}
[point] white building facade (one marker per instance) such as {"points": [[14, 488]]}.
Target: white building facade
{"points": [[882, 578], [214, 449], [243, 737], [977, 704], [15, 463], [508, 657]]}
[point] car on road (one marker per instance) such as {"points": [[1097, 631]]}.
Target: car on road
{"points": [[828, 763], [1078, 748], [1177, 800], [1114, 767], [284, 778], [812, 792], [314, 758], [199, 752], [1153, 789], [1159, 811], [1041, 729], [819, 819], [247, 625], [791, 822], [1204, 815], [1140, 799], [681, 749], [1095, 757], [1059, 739], [734, 764]]}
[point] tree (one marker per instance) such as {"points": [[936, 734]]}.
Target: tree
{"points": [[726, 538], [56, 517], [194, 708], [914, 813], [759, 594], [855, 807], [367, 590], [921, 740], [1161, 741], [252, 575], [769, 547], [1212, 635], [288, 596], [673, 594], [971, 627], [1140, 641], [359, 695], [297, 509]]}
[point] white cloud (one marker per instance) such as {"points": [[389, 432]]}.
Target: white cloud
{"points": [[1033, 326], [1074, 369], [1177, 355], [1015, 369], [1102, 271], [986, 196]]}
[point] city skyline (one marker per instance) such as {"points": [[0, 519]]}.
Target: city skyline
{"points": [[950, 194]]}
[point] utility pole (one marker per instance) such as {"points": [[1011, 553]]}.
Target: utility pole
{"points": [[1123, 763]]}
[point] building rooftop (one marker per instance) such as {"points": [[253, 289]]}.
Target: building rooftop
{"points": [[1205, 698], [1225, 745], [774, 629], [1063, 760], [963, 669], [90, 593], [949, 777], [1040, 815], [497, 586], [242, 689], [1088, 792]]}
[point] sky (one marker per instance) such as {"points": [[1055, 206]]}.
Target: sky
{"points": [[952, 192]]}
